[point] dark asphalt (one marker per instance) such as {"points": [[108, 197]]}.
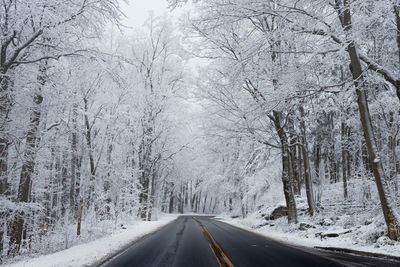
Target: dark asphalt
{"points": [[183, 244]]}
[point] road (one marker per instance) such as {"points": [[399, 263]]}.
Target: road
{"points": [[205, 242]]}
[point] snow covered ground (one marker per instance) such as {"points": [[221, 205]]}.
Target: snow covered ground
{"points": [[93, 252], [292, 235], [356, 223]]}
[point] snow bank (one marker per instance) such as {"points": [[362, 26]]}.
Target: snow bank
{"points": [[290, 234], [91, 253], [356, 223]]}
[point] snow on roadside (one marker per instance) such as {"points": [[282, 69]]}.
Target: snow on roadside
{"points": [[251, 226], [368, 237], [92, 252], [356, 223]]}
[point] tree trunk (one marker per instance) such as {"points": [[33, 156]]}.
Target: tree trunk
{"points": [[171, 202], [187, 196], [344, 159], [392, 154], [306, 163], [197, 205], [5, 108], [293, 158], [78, 182], [193, 202], [25, 183], [286, 179], [143, 196], [300, 171], [392, 222], [317, 159], [64, 186], [108, 180], [55, 183], [210, 206], [349, 157], [145, 152], [74, 160], [396, 10], [365, 157], [205, 204], [79, 223], [331, 154], [214, 207], [91, 194], [152, 194]]}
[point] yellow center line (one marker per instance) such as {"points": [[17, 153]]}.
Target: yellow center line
{"points": [[216, 256], [216, 249]]}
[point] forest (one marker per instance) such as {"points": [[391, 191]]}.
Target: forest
{"points": [[235, 108]]}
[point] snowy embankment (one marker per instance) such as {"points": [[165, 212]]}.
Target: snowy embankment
{"points": [[355, 224], [93, 253], [293, 236]]}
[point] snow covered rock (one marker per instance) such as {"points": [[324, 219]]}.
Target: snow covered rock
{"points": [[305, 226], [326, 222], [278, 212], [384, 241], [332, 233]]}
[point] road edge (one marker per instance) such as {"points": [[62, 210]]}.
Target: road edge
{"points": [[109, 257], [360, 253], [334, 249]]}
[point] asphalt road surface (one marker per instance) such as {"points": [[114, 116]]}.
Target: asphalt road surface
{"points": [[204, 242]]}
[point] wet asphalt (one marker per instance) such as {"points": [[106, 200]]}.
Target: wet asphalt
{"points": [[182, 243]]}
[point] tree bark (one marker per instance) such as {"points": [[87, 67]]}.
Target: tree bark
{"points": [[55, 183], [91, 194], [286, 179], [24, 188], [349, 157], [5, 108], [306, 163], [396, 11], [317, 159], [145, 165], [74, 160], [331, 154], [152, 194], [205, 204], [300, 171], [344, 160], [293, 158], [64, 185], [171, 202], [79, 223], [394, 170]]}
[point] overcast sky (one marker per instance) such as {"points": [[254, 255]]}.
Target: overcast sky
{"points": [[137, 11]]}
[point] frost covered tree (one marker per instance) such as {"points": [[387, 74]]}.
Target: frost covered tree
{"points": [[33, 33], [293, 57], [91, 141]]}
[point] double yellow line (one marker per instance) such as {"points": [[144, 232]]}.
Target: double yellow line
{"points": [[222, 259]]}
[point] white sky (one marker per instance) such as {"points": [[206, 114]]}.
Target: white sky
{"points": [[137, 11]]}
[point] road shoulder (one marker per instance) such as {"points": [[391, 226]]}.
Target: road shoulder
{"points": [[299, 243], [96, 252]]}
